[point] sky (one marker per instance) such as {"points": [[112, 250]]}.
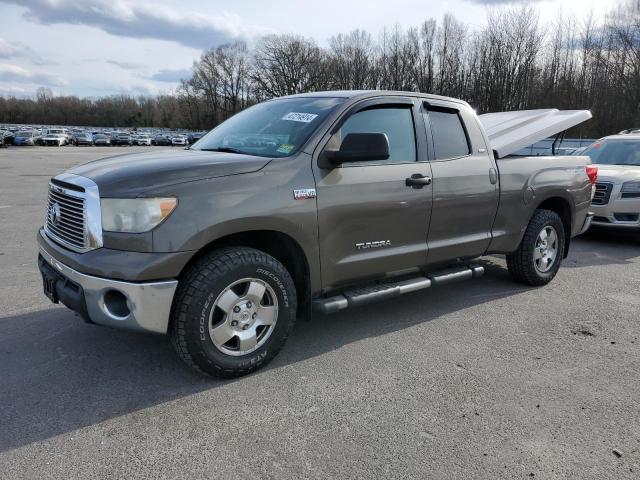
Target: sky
{"points": [[92, 48]]}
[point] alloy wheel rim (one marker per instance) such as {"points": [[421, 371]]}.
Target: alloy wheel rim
{"points": [[545, 251], [243, 316]]}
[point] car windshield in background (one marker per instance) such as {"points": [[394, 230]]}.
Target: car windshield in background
{"points": [[23, 134], [615, 152], [277, 128]]}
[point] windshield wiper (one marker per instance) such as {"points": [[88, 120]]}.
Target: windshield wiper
{"points": [[222, 149]]}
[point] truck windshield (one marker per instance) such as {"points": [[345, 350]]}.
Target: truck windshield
{"points": [[277, 128], [615, 152]]}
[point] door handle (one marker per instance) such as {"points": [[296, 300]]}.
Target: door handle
{"points": [[417, 180], [493, 176]]}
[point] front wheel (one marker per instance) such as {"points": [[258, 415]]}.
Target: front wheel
{"points": [[540, 253], [233, 311]]}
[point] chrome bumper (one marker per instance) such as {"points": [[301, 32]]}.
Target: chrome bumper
{"points": [[114, 303], [587, 223]]}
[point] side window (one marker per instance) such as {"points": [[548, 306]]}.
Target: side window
{"points": [[449, 136], [395, 122]]}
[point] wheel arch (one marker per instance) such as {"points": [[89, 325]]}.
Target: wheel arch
{"points": [[562, 207], [279, 245]]}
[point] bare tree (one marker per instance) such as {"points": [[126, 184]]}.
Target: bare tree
{"points": [[287, 64], [423, 48], [350, 61]]}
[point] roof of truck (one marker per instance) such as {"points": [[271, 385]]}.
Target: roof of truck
{"points": [[507, 132], [372, 93]]}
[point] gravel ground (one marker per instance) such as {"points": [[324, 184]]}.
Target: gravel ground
{"points": [[484, 379]]}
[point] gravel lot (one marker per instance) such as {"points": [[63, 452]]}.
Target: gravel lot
{"points": [[485, 379]]}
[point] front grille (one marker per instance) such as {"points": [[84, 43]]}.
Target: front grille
{"points": [[66, 217], [602, 194]]}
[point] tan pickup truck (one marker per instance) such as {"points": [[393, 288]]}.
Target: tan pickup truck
{"points": [[308, 203]]}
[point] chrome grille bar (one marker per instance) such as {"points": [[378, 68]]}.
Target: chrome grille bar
{"points": [[73, 213]]}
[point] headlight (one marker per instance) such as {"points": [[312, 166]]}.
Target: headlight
{"points": [[631, 187], [135, 215]]}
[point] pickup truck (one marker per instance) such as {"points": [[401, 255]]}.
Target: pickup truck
{"points": [[308, 203]]}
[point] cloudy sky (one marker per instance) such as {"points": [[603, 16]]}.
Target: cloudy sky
{"points": [[100, 47]]}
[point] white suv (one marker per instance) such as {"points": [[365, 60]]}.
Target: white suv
{"points": [[616, 202]]}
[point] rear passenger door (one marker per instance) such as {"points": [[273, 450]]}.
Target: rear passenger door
{"points": [[465, 188]]}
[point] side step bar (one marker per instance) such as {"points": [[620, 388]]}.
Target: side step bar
{"points": [[382, 291]]}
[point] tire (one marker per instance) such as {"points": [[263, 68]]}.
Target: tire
{"points": [[532, 263], [205, 304]]}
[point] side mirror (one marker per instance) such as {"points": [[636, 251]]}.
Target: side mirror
{"points": [[358, 147]]}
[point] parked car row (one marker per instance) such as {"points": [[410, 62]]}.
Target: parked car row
{"points": [[59, 136]]}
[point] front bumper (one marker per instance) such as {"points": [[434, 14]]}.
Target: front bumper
{"points": [[618, 212], [142, 306]]}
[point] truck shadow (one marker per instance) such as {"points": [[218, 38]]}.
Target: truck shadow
{"points": [[59, 374], [603, 247]]}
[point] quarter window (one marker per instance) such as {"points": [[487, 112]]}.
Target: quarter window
{"points": [[449, 136], [396, 123]]}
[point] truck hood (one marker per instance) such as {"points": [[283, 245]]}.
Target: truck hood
{"points": [[618, 173], [509, 132], [134, 174]]}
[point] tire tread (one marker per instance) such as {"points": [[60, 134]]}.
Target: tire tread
{"points": [[520, 263], [210, 266]]}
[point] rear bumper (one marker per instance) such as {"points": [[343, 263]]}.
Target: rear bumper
{"points": [[587, 223], [142, 306]]}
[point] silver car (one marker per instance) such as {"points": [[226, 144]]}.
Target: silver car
{"points": [[179, 140], [141, 139], [26, 137], [616, 202]]}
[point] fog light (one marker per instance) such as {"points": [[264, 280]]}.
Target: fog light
{"points": [[116, 304]]}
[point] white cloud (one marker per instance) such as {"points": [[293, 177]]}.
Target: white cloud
{"points": [[12, 91], [141, 20], [16, 73], [502, 2], [125, 65], [9, 49], [167, 75]]}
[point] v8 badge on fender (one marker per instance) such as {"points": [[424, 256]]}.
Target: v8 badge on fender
{"points": [[304, 193]]}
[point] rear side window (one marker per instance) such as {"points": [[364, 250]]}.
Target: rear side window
{"points": [[449, 136], [395, 122]]}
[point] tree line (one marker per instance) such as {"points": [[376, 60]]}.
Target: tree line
{"points": [[512, 63]]}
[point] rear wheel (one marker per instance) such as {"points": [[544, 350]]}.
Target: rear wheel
{"points": [[233, 311], [540, 253]]}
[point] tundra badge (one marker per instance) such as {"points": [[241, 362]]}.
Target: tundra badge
{"points": [[377, 244]]}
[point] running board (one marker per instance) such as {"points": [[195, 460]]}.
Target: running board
{"points": [[382, 291]]}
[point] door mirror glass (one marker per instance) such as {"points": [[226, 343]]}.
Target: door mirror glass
{"points": [[360, 147]]}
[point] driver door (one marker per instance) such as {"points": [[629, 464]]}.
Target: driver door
{"points": [[371, 224]]}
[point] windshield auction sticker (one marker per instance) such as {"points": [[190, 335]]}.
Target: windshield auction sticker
{"points": [[285, 148], [299, 117]]}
